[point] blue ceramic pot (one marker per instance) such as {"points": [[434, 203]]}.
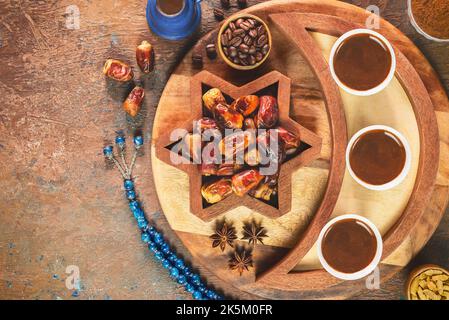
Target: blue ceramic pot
{"points": [[174, 27]]}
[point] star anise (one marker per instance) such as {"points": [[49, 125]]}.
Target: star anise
{"points": [[241, 261], [224, 234], [254, 233]]}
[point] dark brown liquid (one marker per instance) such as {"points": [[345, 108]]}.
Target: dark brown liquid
{"points": [[349, 245], [377, 157], [362, 62], [170, 7]]}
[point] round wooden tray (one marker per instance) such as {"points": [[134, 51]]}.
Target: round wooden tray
{"points": [[414, 103]]}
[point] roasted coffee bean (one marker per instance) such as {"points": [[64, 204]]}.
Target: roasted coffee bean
{"points": [[197, 60], [251, 60], [238, 32], [219, 14], [242, 3], [211, 52], [238, 22], [252, 50], [236, 60], [252, 33], [232, 52], [245, 25], [232, 26], [265, 49], [224, 40], [258, 56], [225, 51], [261, 41], [261, 30], [235, 42], [225, 3], [243, 48], [248, 40], [228, 33], [242, 55], [252, 22]]}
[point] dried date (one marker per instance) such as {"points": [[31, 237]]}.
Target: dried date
{"points": [[246, 104], [268, 114], [217, 191], [245, 181], [227, 117], [118, 70], [134, 101], [212, 98], [145, 57]]}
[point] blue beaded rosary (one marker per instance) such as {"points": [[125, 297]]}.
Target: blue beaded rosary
{"points": [[154, 239]]}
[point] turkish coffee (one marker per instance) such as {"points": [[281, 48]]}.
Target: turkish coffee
{"points": [[170, 7], [362, 62], [377, 157], [349, 245]]}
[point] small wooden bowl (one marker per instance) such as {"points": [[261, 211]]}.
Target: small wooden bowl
{"points": [[220, 48], [416, 272]]}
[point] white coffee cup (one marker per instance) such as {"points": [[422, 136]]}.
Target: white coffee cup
{"points": [[405, 170], [361, 273], [380, 86]]}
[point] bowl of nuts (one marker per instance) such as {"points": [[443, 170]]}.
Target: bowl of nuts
{"points": [[244, 41], [428, 282]]}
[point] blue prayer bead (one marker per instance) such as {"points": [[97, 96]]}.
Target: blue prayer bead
{"points": [[131, 194], [152, 231], [180, 264], [197, 295], [120, 140], [158, 238], [165, 248], [202, 288], [188, 273], [166, 264], [138, 141], [138, 214], [145, 237], [152, 246], [189, 287], [128, 184], [210, 294], [174, 272], [107, 151], [196, 279], [172, 258], [182, 279], [133, 205], [142, 222], [159, 255]]}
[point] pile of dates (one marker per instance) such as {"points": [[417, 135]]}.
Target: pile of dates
{"points": [[239, 146]]}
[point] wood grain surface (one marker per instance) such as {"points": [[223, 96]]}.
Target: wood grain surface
{"points": [[60, 204], [291, 19]]}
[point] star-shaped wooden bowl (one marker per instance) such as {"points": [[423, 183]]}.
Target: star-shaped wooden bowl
{"points": [[273, 83]]}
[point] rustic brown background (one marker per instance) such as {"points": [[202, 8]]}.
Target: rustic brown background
{"points": [[60, 204]]}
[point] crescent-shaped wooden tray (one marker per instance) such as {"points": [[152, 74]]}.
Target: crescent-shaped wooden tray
{"points": [[414, 103]]}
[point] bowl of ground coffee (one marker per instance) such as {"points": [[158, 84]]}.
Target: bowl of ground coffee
{"points": [[430, 18]]}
